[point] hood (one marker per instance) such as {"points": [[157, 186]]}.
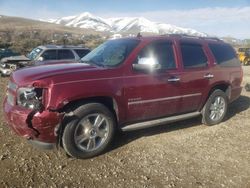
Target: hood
{"points": [[53, 73], [15, 58]]}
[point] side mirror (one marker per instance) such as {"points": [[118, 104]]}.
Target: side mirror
{"points": [[147, 64], [40, 58]]}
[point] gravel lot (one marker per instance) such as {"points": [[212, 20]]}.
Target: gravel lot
{"points": [[183, 154]]}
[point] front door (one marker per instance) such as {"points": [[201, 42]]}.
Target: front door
{"points": [[153, 94]]}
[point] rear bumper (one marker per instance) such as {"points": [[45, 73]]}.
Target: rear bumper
{"points": [[38, 128], [235, 94]]}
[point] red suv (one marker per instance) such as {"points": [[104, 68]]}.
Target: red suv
{"points": [[124, 84]]}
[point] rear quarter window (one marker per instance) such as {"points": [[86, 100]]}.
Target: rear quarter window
{"points": [[193, 56], [224, 55]]}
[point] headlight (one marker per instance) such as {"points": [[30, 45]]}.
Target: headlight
{"points": [[29, 98]]}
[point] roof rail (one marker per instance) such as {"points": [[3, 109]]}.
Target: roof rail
{"points": [[211, 38], [192, 36]]}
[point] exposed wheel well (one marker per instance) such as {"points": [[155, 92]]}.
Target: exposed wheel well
{"points": [[109, 102]]}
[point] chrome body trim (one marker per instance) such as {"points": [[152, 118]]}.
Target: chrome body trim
{"points": [[163, 99]]}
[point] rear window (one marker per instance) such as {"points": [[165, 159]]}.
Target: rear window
{"points": [[224, 55], [82, 52], [193, 55]]}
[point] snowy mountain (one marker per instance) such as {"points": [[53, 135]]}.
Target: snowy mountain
{"points": [[131, 25]]}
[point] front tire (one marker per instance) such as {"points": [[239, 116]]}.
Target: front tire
{"points": [[90, 133], [215, 108]]}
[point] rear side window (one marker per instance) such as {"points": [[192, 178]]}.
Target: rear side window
{"points": [[65, 54], [82, 52], [224, 55], [162, 51], [49, 55], [193, 56]]}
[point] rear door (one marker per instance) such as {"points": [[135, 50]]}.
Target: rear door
{"points": [[195, 75], [153, 94]]}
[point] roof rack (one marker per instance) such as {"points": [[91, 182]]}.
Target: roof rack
{"points": [[62, 46], [212, 38], [192, 36]]}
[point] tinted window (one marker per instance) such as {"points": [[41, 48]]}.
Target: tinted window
{"points": [[65, 54], [162, 52], [224, 55], [49, 55], [82, 52], [193, 56]]}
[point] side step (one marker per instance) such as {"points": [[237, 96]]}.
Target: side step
{"points": [[152, 123]]}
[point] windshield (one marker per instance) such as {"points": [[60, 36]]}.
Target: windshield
{"points": [[111, 53], [34, 53]]}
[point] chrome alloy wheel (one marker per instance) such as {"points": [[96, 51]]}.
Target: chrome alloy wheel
{"points": [[91, 132], [217, 108]]}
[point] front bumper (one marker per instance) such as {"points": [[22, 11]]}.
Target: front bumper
{"points": [[5, 72], [38, 128]]}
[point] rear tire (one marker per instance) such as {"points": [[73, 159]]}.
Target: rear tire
{"points": [[215, 108], [90, 133]]}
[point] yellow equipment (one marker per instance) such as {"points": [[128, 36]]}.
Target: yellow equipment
{"points": [[244, 55]]}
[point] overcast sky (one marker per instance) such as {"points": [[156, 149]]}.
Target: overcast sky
{"points": [[215, 17]]}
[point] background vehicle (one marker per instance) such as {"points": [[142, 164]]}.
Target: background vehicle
{"points": [[48, 54], [125, 84], [244, 55], [6, 52]]}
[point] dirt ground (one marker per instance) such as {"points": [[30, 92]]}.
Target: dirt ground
{"points": [[183, 154]]}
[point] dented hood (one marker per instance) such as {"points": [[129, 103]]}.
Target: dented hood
{"points": [[54, 73], [15, 58]]}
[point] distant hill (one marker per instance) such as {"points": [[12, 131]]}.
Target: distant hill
{"points": [[23, 34], [23, 24]]}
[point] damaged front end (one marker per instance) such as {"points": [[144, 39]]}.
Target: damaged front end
{"points": [[11, 64], [7, 68], [26, 114]]}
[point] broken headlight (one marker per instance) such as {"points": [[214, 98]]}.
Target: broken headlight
{"points": [[30, 98]]}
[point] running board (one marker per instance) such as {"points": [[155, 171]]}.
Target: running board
{"points": [[152, 123]]}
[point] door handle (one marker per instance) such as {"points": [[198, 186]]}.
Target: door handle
{"points": [[174, 79], [208, 76]]}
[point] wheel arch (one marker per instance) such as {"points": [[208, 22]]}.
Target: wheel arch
{"points": [[109, 102], [224, 86]]}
